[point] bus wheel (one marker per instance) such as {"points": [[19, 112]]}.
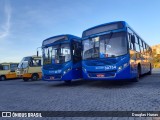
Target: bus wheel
{"points": [[34, 77], [67, 81], [136, 79], [150, 71], [2, 78], [25, 79]]}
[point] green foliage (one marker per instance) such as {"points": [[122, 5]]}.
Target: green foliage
{"points": [[156, 59]]}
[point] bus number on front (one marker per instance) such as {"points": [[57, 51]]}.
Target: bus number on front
{"points": [[110, 67]]}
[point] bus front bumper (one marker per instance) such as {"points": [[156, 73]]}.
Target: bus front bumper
{"points": [[124, 74], [57, 77]]}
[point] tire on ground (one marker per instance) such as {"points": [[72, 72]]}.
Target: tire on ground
{"points": [[34, 77]]}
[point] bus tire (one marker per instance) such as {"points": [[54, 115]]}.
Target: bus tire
{"points": [[67, 81], [34, 77], [25, 79], [2, 78], [136, 79], [150, 71]]}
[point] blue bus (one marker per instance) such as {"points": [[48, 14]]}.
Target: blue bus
{"points": [[62, 58], [114, 51]]}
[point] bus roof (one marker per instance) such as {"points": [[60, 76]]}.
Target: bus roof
{"points": [[33, 56], [97, 26], [124, 23], [69, 36]]}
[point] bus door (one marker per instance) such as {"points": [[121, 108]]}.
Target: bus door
{"points": [[76, 51]]}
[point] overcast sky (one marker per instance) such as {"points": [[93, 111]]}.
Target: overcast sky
{"points": [[24, 24]]}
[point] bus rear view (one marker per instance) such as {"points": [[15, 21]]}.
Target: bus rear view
{"points": [[62, 58], [107, 54]]}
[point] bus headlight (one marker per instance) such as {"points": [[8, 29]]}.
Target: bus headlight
{"points": [[84, 69], [67, 70], [120, 68]]}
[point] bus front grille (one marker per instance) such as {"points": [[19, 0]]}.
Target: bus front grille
{"points": [[102, 74], [56, 76]]}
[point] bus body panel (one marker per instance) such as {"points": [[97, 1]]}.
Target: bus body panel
{"points": [[29, 75], [122, 75], [10, 72], [11, 75], [70, 70], [135, 59], [73, 71], [31, 68], [109, 72]]}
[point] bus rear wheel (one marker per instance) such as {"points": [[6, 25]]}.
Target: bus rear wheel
{"points": [[2, 78], [136, 79], [34, 77]]}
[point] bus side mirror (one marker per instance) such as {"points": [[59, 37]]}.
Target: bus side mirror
{"points": [[133, 39]]}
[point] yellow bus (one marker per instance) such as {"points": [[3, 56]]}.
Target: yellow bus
{"points": [[30, 68], [7, 71]]}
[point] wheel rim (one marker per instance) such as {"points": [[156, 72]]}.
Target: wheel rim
{"points": [[34, 77]]}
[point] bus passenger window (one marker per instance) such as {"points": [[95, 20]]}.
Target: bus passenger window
{"points": [[36, 62], [13, 67], [137, 47], [5, 67]]}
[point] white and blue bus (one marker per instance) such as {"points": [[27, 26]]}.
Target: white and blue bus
{"points": [[114, 51], [62, 58]]}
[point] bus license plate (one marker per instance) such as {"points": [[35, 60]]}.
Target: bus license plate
{"points": [[100, 75], [51, 78]]}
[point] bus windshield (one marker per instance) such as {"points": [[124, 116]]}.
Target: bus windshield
{"points": [[24, 62], [57, 54], [108, 45]]}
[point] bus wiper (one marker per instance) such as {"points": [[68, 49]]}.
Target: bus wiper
{"points": [[111, 33]]}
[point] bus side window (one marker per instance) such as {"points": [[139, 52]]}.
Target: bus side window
{"points": [[13, 67], [142, 50], [5, 67], [36, 62], [137, 47], [132, 42], [129, 41]]}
